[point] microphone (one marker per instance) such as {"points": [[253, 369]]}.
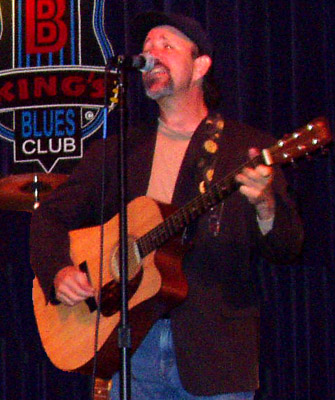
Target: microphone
{"points": [[141, 62]]}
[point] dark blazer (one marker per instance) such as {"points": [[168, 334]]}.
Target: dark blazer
{"points": [[216, 329]]}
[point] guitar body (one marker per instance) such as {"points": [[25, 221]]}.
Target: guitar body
{"points": [[68, 333]]}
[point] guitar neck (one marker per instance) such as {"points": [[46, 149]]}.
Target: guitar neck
{"points": [[313, 136], [198, 206]]}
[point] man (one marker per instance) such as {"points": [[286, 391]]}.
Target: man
{"points": [[206, 348]]}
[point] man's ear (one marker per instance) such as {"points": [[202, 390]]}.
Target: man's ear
{"points": [[201, 66]]}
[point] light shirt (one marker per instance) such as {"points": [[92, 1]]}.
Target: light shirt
{"points": [[169, 153]]}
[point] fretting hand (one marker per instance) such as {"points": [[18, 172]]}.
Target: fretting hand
{"points": [[256, 185]]}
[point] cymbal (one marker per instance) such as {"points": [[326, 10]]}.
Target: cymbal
{"points": [[24, 192]]}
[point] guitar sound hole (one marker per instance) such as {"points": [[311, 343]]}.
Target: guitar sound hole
{"points": [[111, 294]]}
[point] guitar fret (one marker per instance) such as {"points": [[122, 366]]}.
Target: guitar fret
{"points": [[177, 219], [170, 226], [189, 214], [176, 222], [150, 243], [161, 235], [142, 245], [192, 213]]}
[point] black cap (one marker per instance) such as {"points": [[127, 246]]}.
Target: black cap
{"points": [[143, 23]]}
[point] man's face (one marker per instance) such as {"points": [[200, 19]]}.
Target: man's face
{"points": [[173, 71]]}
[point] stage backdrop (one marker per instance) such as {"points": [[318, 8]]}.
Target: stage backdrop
{"points": [[274, 63]]}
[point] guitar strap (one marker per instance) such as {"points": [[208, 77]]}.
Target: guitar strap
{"points": [[207, 163]]}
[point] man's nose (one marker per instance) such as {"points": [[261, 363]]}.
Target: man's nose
{"points": [[153, 51]]}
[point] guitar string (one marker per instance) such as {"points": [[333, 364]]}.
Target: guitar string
{"points": [[160, 234]]}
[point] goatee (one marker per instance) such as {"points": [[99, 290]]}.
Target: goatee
{"points": [[152, 79]]}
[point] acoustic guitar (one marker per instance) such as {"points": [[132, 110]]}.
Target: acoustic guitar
{"points": [[156, 280]]}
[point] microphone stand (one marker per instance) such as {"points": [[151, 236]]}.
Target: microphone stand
{"points": [[124, 334]]}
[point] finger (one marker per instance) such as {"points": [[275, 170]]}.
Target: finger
{"points": [[259, 176], [71, 294], [84, 283], [72, 280], [251, 174], [251, 177], [251, 193], [253, 152], [76, 289], [68, 300], [264, 171]]}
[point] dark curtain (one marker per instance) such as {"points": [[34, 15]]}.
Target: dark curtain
{"points": [[274, 63]]}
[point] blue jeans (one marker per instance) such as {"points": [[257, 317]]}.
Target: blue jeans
{"points": [[154, 374]]}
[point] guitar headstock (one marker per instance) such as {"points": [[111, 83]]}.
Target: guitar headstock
{"points": [[313, 136]]}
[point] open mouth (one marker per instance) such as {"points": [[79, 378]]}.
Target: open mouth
{"points": [[159, 69]]}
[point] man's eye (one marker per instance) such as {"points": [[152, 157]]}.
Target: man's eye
{"points": [[168, 46]]}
